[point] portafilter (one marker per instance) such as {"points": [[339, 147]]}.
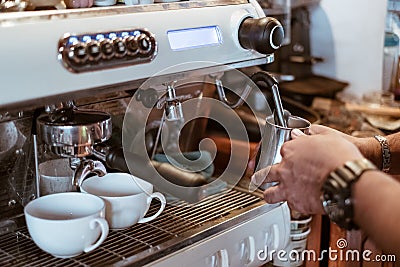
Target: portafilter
{"points": [[72, 133]]}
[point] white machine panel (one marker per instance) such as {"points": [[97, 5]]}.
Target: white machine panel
{"points": [[33, 57], [243, 245]]}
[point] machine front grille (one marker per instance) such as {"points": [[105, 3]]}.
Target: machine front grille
{"points": [[140, 240]]}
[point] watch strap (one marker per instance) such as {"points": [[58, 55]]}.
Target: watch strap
{"points": [[337, 188]]}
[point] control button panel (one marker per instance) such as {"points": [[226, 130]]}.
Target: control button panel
{"points": [[105, 50]]}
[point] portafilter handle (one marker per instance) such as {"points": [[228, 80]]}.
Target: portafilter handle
{"points": [[116, 158], [264, 35], [85, 168]]}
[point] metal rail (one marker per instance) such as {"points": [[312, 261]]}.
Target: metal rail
{"points": [[179, 225]]}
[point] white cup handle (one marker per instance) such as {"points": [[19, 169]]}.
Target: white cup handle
{"points": [[104, 232], [149, 199]]}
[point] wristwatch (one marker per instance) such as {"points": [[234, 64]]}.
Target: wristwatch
{"points": [[336, 192]]}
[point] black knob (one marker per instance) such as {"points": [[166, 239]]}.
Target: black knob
{"points": [[148, 97], [265, 35]]}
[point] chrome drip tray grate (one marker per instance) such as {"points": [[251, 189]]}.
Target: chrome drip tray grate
{"points": [[141, 243]]}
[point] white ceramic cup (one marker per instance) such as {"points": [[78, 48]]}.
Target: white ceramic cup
{"points": [[67, 224], [104, 2], [55, 176], [300, 226], [127, 198], [138, 2]]}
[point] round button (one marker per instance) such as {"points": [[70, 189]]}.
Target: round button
{"points": [[78, 53], [119, 47], [144, 44], [131, 45], [94, 51], [107, 48]]}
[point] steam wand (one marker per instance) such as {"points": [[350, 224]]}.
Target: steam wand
{"points": [[263, 76], [172, 112], [221, 92]]}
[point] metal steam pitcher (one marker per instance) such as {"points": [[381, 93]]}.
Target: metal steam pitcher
{"points": [[277, 129]]}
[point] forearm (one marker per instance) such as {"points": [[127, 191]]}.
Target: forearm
{"points": [[394, 143], [369, 147], [376, 210], [372, 150]]}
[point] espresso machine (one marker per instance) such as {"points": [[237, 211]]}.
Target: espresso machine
{"points": [[114, 90]]}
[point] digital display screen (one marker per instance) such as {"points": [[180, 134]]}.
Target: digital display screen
{"points": [[194, 37]]}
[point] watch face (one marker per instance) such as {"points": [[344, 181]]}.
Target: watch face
{"points": [[331, 207], [333, 210]]}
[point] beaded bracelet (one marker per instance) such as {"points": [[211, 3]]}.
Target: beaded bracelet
{"points": [[385, 152]]}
